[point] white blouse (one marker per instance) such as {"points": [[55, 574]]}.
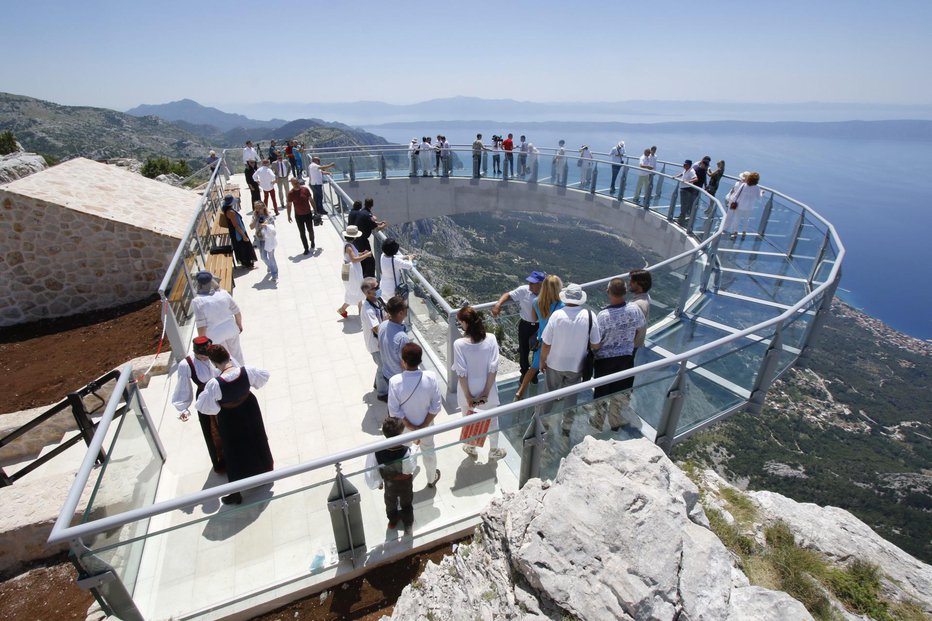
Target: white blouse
{"points": [[388, 283], [184, 387], [475, 361], [208, 402]]}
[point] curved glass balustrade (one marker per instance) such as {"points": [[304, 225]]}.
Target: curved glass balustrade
{"points": [[727, 318]]}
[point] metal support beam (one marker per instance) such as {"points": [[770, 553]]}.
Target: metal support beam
{"points": [[711, 263], [383, 173], [104, 584], [672, 408], [765, 216], [767, 372], [815, 326], [823, 247], [343, 502], [672, 204], [352, 169], [595, 178], [532, 451], [453, 333], [624, 180], [797, 229], [684, 288]]}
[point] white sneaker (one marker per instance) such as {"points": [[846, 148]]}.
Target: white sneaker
{"points": [[497, 453], [470, 450]]}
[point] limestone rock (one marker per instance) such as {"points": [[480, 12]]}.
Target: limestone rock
{"points": [[841, 537], [619, 534], [170, 179], [18, 165]]}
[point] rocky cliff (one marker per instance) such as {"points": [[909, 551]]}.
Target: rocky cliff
{"points": [[20, 164]]}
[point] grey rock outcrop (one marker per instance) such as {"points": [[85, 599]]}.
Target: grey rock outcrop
{"points": [[19, 164], [619, 534], [170, 179], [840, 537]]}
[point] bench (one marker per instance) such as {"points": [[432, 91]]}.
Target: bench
{"points": [[221, 266]]}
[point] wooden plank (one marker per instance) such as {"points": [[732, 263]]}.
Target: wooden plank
{"points": [[221, 266]]}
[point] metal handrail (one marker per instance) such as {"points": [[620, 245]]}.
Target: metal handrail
{"points": [[62, 533]]}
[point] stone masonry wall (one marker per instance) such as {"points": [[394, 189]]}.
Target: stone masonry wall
{"points": [[56, 261]]}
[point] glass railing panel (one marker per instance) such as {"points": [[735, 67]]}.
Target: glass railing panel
{"points": [[706, 217], [127, 480], [786, 292], [668, 282], [781, 225], [663, 190], [823, 273], [651, 388], [808, 242], [762, 263], [705, 398], [429, 321]]}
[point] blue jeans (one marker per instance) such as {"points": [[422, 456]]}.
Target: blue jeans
{"points": [[268, 257]]}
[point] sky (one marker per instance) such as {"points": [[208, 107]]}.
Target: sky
{"points": [[119, 54]]}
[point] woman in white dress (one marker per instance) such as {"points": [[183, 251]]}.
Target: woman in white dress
{"points": [[353, 258], [740, 204], [392, 265], [475, 362]]}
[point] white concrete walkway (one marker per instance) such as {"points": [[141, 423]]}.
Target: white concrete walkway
{"points": [[319, 400]]}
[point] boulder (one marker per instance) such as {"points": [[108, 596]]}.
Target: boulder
{"points": [[618, 534], [20, 164]]}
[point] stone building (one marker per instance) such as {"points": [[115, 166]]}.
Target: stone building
{"points": [[83, 236]]}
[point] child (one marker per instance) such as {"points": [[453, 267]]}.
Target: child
{"points": [[266, 236], [393, 469]]}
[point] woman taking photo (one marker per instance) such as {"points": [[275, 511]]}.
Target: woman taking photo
{"points": [[475, 362], [229, 397]]}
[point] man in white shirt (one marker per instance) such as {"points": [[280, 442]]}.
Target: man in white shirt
{"points": [[373, 314], [414, 396], [217, 316], [585, 167], [446, 156], [266, 180], [522, 157], [426, 155], [249, 153], [618, 158], [643, 184], [570, 332], [282, 170], [524, 296], [688, 191], [315, 173], [639, 283]]}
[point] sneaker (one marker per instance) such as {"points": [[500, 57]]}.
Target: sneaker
{"points": [[497, 453], [470, 450]]}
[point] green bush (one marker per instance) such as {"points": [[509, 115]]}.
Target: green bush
{"points": [[163, 165], [7, 143], [730, 534], [858, 586]]}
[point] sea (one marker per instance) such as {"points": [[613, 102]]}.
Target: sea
{"points": [[870, 189]]}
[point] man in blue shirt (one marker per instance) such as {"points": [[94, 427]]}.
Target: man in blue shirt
{"points": [[392, 337]]}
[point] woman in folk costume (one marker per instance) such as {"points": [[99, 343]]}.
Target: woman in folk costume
{"points": [[239, 239], [198, 370], [229, 398]]}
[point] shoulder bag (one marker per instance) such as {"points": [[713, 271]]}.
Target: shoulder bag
{"points": [[589, 362], [734, 199], [345, 270], [401, 287]]}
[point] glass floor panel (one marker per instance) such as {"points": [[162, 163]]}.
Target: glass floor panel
{"points": [[738, 314], [786, 292]]}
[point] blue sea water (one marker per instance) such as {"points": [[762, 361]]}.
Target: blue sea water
{"points": [[870, 190]]}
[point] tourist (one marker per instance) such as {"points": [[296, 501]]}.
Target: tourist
{"points": [[216, 315], [585, 167], [198, 370], [524, 296], [446, 154], [282, 170], [522, 157], [242, 247], [392, 265], [702, 171], [509, 147], [393, 470], [438, 155], [414, 397], [298, 151], [352, 291], [393, 336], [475, 362], [229, 397], [265, 178], [373, 315], [560, 166], [688, 192], [412, 158], [618, 158], [213, 161], [639, 283], [274, 155], [266, 237], [249, 172], [477, 149], [715, 177], [496, 155], [249, 153], [740, 203], [618, 325], [548, 301], [300, 197], [564, 343], [367, 224], [643, 184], [315, 173], [426, 154], [533, 162], [289, 153], [353, 216]]}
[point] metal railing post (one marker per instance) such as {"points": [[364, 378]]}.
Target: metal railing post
{"points": [[693, 212], [173, 332], [709, 219], [649, 193], [104, 583], [624, 180], [660, 184], [345, 509], [818, 259], [564, 176], [485, 163], [352, 169], [383, 173], [711, 262], [532, 450], [797, 229], [453, 333], [684, 289], [765, 216], [84, 423], [767, 371], [672, 205], [595, 178], [672, 408]]}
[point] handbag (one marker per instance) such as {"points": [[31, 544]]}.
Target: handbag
{"points": [[734, 200], [401, 288], [318, 219], [589, 362], [474, 434], [345, 270], [222, 219]]}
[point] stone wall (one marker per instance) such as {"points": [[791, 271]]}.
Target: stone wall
{"points": [[57, 261]]}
